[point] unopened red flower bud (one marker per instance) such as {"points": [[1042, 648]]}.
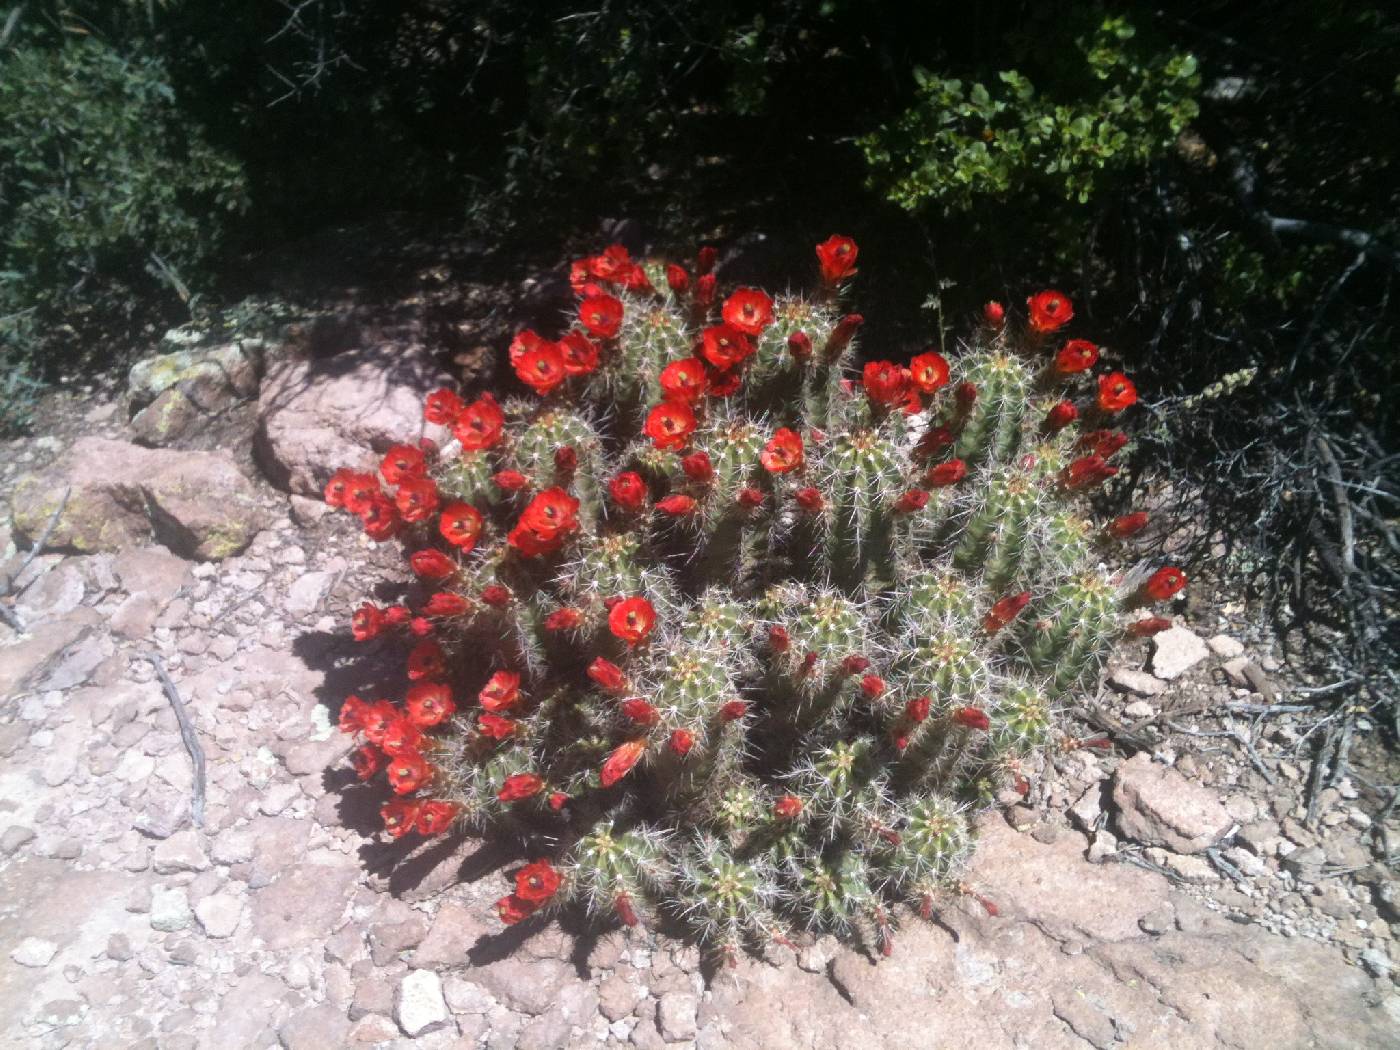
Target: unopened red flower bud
{"points": [[1128, 525], [397, 615], [677, 279], [697, 467], [873, 686], [563, 620], [842, 334], [607, 675], [1086, 472], [1061, 416], [495, 595], [799, 345], [855, 664], [623, 906], [1164, 583], [750, 497], [557, 800], [1147, 627], [676, 505], [966, 393], [733, 710], [972, 718], [1004, 611], [565, 461], [917, 709], [420, 626], [809, 499], [788, 807], [705, 260], [638, 710], [778, 639], [911, 501], [945, 474], [682, 740], [705, 290], [994, 314], [510, 480], [934, 441]]}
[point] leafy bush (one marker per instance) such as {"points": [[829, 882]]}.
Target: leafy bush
{"points": [[749, 640], [962, 142], [106, 190]]}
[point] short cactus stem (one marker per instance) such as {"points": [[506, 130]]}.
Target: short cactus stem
{"points": [[728, 631]]}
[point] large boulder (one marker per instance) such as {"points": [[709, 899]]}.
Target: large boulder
{"points": [[198, 504], [316, 414], [174, 394]]}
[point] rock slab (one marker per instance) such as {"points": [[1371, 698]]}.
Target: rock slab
{"points": [[1159, 807], [1175, 651]]}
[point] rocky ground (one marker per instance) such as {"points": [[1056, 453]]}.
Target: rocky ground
{"points": [[1191, 888]]}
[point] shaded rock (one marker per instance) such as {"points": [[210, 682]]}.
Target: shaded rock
{"points": [[1139, 683], [175, 394], [1224, 646], [1160, 807], [527, 986], [196, 503], [455, 929], [1175, 651], [419, 1006], [317, 1028], [27, 657], [316, 414]]}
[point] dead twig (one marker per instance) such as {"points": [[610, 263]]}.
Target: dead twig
{"points": [[187, 734]]}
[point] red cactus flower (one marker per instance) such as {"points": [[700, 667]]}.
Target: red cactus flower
{"points": [[361, 490], [873, 686], [635, 709], [522, 343], [705, 259], [607, 675], [748, 310], [676, 505], [416, 499], [1004, 611], [544, 525], [972, 718], [681, 741], [724, 346], [501, 691], [628, 490], [396, 615], [420, 626], [733, 710], [778, 639], [367, 761], [611, 264], [520, 786], [367, 622], [945, 474], [994, 314], [885, 382], [625, 912], [445, 603], [511, 910], [408, 772], [705, 288], [400, 735], [799, 345], [750, 498], [377, 719], [917, 709], [352, 714], [1061, 415], [726, 383], [381, 519], [912, 501], [783, 453], [403, 462], [430, 704], [621, 761], [1077, 355], [1164, 583], [929, 371], [933, 441], [557, 800], [632, 619], [537, 882], [496, 596], [789, 807], [1049, 311], [434, 817], [601, 315], [1116, 392], [809, 499], [683, 380], [496, 727], [677, 279], [670, 424], [580, 354], [509, 480], [442, 407], [855, 664], [1147, 627], [460, 525], [399, 816], [837, 257], [563, 620], [1102, 442], [842, 335], [1086, 472], [426, 660], [542, 369], [337, 488], [1128, 525], [698, 468], [480, 425]]}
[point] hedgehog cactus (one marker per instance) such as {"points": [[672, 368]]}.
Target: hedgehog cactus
{"points": [[728, 633]]}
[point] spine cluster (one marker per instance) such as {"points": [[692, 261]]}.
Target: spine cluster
{"points": [[722, 629]]}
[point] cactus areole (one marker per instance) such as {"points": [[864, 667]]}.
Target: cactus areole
{"points": [[716, 626]]}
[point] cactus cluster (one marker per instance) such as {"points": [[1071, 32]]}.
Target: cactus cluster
{"points": [[729, 632]]}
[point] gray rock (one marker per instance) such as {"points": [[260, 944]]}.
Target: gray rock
{"points": [[196, 503], [318, 414], [676, 1014], [170, 908], [1158, 806], [35, 952], [454, 930], [1376, 962], [1224, 646], [467, 997], [419, 1006], [180, 852], [218, 914], [302, 904], [1085, 1018], [388, 939], [618, 997], [306, 593], [1175, 651], [14, 837], [315, 1028], [1139, 683]]}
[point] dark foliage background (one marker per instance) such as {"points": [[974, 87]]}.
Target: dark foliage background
{"points": [[1215, 183]]}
